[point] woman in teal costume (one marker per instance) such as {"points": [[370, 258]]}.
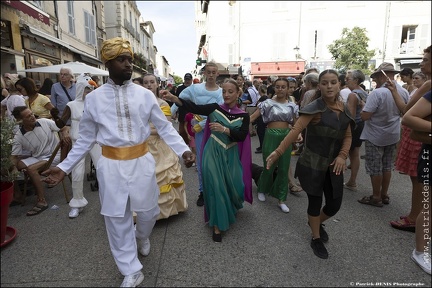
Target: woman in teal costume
{"points": [[226, 158]]}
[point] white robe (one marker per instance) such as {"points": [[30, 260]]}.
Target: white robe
{"points": [[119, 116]]}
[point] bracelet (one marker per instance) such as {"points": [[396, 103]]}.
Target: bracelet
{"points": [[224, 130]]}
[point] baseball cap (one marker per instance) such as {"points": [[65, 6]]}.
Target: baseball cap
{"points": [[188, 76]]}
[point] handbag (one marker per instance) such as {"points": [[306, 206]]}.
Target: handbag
{"points": [[420, 136]]}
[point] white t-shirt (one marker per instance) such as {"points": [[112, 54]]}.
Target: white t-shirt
{"points": [[344, 94]]}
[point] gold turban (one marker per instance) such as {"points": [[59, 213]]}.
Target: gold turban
{"points": [[113, 47]]}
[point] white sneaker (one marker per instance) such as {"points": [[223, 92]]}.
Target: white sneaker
{"points": [[133, 280], [283, 207], [261, 197], [423, 260], [74, 212], [144, 246]]}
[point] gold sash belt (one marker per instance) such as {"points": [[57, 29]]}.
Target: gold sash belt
{"points": [[125, 153]]}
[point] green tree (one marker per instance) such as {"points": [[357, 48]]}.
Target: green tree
{"points": [[177, 80], [351, 51]]}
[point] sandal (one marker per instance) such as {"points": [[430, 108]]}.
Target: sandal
{"points": [[295, 189], [404, 224], [349, 187], [368, 200], [37, 209], [385, 200]]}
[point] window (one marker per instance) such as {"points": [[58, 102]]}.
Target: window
{"points": [[231, 16], [279, 5], [408, 39], [279, 45], [71, 17], [38, 4], [230, 54], [89, 26]]}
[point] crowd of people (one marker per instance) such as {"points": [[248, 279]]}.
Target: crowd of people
{"points": [[125, 124]]}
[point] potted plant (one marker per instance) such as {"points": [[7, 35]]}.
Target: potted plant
{"points": [[8, 172]]}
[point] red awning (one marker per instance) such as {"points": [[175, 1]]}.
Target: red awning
{"points": [[29, 9], [288, 68]]}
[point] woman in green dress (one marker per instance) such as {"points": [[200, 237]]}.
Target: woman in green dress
{"points": [[226, 158]]}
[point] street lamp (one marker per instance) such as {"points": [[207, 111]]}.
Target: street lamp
{"points": [[297, 50], [297, 56]]}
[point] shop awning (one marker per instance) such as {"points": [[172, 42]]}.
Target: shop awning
{"points": [[409, 61], [30, 10]]}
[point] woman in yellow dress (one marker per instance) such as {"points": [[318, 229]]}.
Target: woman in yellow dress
{"points": [[172, 197]]}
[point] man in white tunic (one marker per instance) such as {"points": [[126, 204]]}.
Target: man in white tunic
{"points": [[34, 143], [117, 116]]}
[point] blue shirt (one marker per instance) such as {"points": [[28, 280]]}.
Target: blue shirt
{"points": [[59, 98], [198, 94]]}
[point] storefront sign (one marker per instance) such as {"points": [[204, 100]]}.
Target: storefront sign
{"points": [[29, 9]]}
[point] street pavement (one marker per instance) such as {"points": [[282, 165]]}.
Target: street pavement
{"points": [[265, 247]]}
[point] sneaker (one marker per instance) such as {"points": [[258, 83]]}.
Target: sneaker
{"points": [[200, 201], [323, 234], [423, 260], [144, 246], [319, 248], [261, 197], [74, 212], [283, 207], [133, 280]]}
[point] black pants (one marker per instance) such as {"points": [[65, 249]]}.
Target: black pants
{"points": [[261, 127]]}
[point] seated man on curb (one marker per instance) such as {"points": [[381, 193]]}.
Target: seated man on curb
{"points": [[39, 137]]}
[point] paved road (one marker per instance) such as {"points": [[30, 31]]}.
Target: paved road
{"points": [[264, 248]]}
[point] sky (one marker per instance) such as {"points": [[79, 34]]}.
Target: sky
{"points": [[175, 38]]}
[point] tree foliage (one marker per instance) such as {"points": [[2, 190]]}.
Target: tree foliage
{"points": [[351, 50], [177, 80]]}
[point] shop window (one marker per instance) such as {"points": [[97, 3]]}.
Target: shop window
{"points": [[39, 61], [6, 34]]}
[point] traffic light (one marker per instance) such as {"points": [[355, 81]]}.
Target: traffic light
{"points": [[199, 61]]}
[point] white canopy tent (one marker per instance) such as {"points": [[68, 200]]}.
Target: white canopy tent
{"points": [[76, 67]]}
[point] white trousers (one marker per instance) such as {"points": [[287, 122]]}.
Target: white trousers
{"points": [[78, 172], [122, 237]]}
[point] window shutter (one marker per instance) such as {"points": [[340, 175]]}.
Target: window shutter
{"points": [[92, 30], [395, 41], [71, 17], [423, 41], [87, 27]]}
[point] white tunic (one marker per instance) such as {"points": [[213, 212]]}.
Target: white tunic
{"points": [[119, 116], [40, 142]]}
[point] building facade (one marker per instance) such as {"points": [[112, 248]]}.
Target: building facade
{"points": [[34, 34], [291, 34], [41, 33]]}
